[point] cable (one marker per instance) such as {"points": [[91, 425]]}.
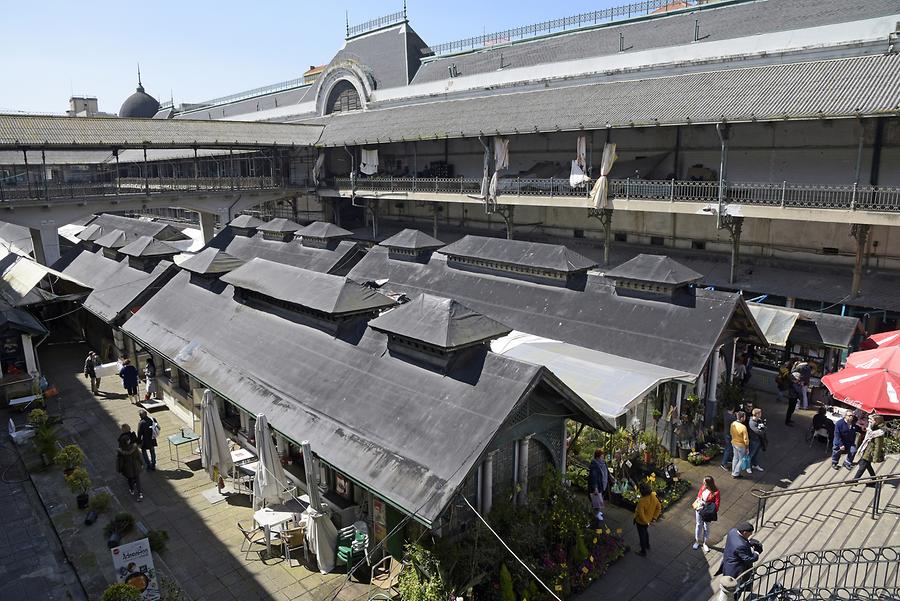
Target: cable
{"points": [[511, 552]]}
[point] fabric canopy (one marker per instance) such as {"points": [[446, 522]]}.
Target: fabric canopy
{"points": [[884, 339], [776, 323], [608, 383], [882, 358], [872, 390]]}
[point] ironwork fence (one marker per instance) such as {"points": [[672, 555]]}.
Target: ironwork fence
{"points": [[784, 194], [840, 574], [133, 185], [397, 17]]}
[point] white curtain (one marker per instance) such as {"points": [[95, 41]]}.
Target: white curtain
{"points": [[501, 153], [600, 191], [368, 161]]}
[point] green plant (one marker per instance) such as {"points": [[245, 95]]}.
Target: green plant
{"points": [[506, 585], [99, 502], [169, 590], [78, 481], [45, 442], [70, 457], [38, 418], [120, 592], [422, 578], [122, 523], [158, 540]]}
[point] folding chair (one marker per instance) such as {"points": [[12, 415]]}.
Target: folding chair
{"points": [[253, 535], [293, 539]]}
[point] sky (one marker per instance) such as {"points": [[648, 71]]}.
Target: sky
{"points": [[196, 50]]}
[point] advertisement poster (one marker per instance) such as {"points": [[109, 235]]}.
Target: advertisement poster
{"points": [[378, 518], [134, 565]]}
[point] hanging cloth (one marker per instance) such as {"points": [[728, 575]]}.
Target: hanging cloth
{"points": [[501, 153], [368, 161], [486, 171], [581, 153], [600, 191], [318, 169], [577, 178]]}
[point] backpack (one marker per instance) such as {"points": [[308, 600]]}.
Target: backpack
{"points": [[154, 428]]}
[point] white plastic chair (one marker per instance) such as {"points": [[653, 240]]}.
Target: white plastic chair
{"points": [[20, 435]]}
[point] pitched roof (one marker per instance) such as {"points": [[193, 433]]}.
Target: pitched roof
{"points": [[411, 239], [658, 269], [91, 233], [279, 224], [112, 239], [323, 229], [145, 246], [245, 221], [210, 261], [336, 261], [553, 257], [442, 322], [134, 227], [332, 294]]}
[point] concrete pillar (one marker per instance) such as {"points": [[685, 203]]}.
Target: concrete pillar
{"points": [[245, 421], [45, 239], [712, 385], [207, 225], [789, 302], [522, 476], [28, 349], [487, 484], [861, 233], [727, 588], [281, 444]]}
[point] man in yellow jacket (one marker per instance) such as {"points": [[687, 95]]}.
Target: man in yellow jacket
{"points": [[740, 441], [646, 511]]}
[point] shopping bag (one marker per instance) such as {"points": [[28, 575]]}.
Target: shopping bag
{"points": [[745, 463], [596, 500]]}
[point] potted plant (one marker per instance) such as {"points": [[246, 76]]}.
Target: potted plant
{"points": [[121, 524], [80, 483], [97, 505], [121, 592], [158, 540], [70, 457], [44, 435]]}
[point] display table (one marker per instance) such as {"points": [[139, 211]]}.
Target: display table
{"points": [[185, 437]]}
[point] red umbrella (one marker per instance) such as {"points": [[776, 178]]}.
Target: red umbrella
{"points": [[871, 390], [881, 358], [882, 340]]}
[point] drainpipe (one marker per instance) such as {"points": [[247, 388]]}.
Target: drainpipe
{"points": [[722, 131]]}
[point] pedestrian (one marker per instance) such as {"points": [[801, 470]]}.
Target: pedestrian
{"points": [[90, 371], [129, 462], [844, 440], [646, 512], [748, 365], [805, 371], [598, 482], [758, 438], [821, 422], [794, 395], [740, 442], [147, 440], [782, 382], [870, 448], [740, 551], [708, 495], [129, 375], [727, 450], [150, 379]]}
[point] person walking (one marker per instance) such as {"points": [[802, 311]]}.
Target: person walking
{"points": [[758, 438], [805, 371], [129, 462], [598, 481], [795, 391], [129, 375], [90, 371], [646, 512], [870, 448], [782, 382], [844, 440], [146, 440], [727, 450], [150, 379], [709, 494], [740, 551], [740, 442]]}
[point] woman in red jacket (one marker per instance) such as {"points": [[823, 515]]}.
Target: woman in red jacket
{"points": [[709, 494]]}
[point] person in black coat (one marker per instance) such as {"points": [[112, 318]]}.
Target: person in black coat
{"points": [[129, 375], [598, 481], [146, 441], [740, 551]]}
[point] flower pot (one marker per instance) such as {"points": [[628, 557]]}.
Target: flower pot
{"points": [[90, 518], [82, 500]]}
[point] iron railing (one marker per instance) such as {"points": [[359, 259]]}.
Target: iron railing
{"points": [[625, 11], [784, 194], [841, 574], [373, 24], [133, 185]]}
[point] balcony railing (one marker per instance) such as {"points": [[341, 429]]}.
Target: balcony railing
{"points": [[785, 194], [867, 573], [133, 185]]}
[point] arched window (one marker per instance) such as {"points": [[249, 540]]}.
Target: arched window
{"points": [[343, 98]]}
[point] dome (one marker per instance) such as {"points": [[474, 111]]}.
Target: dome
{"points": [[140, 104]]}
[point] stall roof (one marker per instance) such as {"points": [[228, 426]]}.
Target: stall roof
{"points": [[136, 227], [20, 320], [332, 294], [659, 269], [145, 246], [211, 260], [534, 255], [775, 322], [410, 434], [279, 225], [19, 285], [323, 229], [245, 221], [113, 239], [323, 260], [799, 326], [411, 239], [610, 384]]}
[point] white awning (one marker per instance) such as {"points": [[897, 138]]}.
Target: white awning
{"points": [[776, 323], [608, 383], [20, 279]]}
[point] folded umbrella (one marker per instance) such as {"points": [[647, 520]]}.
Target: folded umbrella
{"points": [[872, 390]]}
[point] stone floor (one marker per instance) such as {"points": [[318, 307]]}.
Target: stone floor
{"points": [[203, 552]]}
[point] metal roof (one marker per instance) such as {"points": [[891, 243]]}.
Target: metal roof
{"points": [[246, 221], [331, 294], [324, 229], [534, 255], [441, 322], [411, 239], [27, 282], [113, 239], [18, 131], [134, 228], [861, 86], [389, 425], [658, 269], [145, 246], [658, 332], [210, 261], [279, 225]]}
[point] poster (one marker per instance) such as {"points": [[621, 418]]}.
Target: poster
{"points": [[133, 563], [378, 518]]}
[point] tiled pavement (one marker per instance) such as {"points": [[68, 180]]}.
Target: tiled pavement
{"points": [[203, 552]]}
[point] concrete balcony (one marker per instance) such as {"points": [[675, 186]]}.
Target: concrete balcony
{"points": [[873, 205]]}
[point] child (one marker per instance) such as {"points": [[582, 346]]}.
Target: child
{"points": [[647, 510]]}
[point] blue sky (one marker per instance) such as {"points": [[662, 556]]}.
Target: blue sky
{"points": [[197, 50]]}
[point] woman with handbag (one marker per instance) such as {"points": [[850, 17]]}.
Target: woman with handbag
{"points": [[706, 508]]}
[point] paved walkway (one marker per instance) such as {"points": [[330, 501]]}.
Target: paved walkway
{"points": [[672, 567], [203, 551]]}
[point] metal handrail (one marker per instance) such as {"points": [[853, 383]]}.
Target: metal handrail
{"points": [[762, 496], [856, 573]]}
